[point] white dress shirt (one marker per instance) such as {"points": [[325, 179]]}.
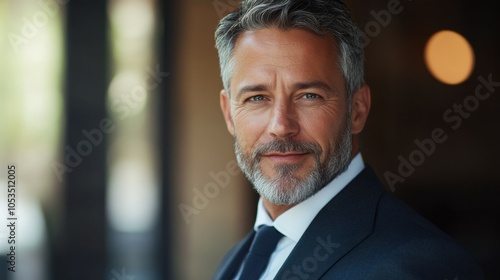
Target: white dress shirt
{"points": [[294, 222]]}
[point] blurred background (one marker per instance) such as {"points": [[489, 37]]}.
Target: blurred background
{"points": [[109, 111]]}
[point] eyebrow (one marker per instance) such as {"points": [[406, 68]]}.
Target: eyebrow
{"points": [[295, 87], [313, 84]]}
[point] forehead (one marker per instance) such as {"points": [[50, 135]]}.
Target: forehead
{"points": [[292, 38], [290, 53]]}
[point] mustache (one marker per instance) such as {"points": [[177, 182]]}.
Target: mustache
{"points": [[285, 146]]}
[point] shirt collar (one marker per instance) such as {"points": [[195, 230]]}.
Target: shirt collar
{"points": [[294, 222]]}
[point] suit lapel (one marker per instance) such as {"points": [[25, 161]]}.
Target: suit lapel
{"points": [[339, 227], [232, 261]]}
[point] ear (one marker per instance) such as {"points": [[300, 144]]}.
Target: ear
{"points": [[226, 110], [360, 107]]}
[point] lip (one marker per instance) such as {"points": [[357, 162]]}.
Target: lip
{"points": [[285, 157]]}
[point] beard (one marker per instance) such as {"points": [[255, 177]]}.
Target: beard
{"points": [[285, 188]]}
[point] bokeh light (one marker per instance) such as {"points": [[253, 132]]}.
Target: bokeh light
{"points": [[449, 57]]}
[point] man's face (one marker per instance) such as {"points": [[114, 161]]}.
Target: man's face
{"points": [[288, 112]]}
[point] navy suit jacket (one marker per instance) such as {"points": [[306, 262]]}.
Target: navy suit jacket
{"points": [[366, 233]]}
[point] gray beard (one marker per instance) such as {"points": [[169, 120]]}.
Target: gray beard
{"points": [[285, 189]]}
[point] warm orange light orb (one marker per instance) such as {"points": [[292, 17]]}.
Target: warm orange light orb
{"points": [[449, 57]]}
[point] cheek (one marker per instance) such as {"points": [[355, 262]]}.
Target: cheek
{"points": [[323, 130], [249, 127]]}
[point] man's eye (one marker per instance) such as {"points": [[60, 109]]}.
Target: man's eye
{"points": [[256, 98], [311, 96]]}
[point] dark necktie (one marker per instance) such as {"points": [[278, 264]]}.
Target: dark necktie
{"points": [[262, 247]]}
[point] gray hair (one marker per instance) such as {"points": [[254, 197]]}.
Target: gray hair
{"points": [[319, 16]]}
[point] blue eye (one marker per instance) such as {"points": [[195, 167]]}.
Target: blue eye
{"points": [[256, 98], [311, 96]]}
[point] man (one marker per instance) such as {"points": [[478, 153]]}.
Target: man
{"points": [[295, 101]]}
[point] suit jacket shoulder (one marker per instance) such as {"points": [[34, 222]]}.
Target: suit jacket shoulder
{"points": [[366, 233]]}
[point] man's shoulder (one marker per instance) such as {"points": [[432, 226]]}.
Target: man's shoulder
{"points": [[403, 244], [392, 218], [398, 224]]}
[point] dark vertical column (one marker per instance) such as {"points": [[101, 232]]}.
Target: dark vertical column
{"points": [[167, 120], [82, 253]]}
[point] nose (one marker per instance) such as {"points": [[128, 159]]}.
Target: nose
{"points": [[283, 122]]}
